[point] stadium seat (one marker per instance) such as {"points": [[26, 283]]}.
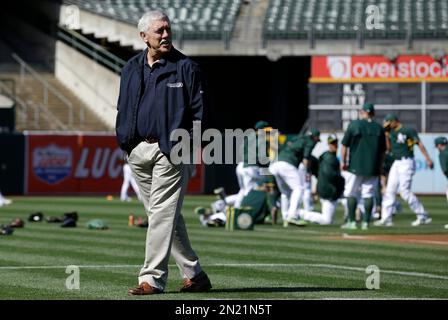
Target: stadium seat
{"points": [[342, 19], [202, 19]]}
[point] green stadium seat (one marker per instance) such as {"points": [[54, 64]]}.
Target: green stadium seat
{"points": [[338, 19], [202, 19]]}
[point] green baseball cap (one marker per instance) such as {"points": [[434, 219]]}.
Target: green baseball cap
{"points": [[332, 138], [314, 132], [388, 119], [368, 107], [261, 124], [440, 140]]}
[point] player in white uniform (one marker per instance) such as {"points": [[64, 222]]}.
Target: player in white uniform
{"points": [[4, 201], [128, 179], [286, 173], [401, 141]]}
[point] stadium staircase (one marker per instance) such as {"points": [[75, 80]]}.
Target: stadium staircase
{"points": [[37, 110], [43, 103]]}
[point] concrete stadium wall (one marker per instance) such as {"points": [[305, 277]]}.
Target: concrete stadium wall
{"points": [[103, 27], [95, 85]]}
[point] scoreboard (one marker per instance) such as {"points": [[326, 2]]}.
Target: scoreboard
{"points": [[415, 88]]}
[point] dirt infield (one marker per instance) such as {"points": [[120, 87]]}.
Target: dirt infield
{"points": [[424, 239]]}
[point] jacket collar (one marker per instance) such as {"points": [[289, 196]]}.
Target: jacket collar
{"points": [[169, 60]]}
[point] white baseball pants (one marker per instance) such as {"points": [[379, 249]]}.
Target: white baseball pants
{"points": [[400, 180], [327, 215], [289, 184]]}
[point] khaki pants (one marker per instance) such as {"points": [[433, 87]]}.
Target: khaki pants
{"points": [[162, 186]]}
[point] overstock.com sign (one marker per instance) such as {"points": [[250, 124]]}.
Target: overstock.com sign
{"points": [[376, 68], [339, 67]]}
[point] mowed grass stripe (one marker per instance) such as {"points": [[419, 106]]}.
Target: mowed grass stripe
{"points": [[26, 256], [299, 282], [74, 248], [246, 250], [107, 249], [94, 284], [102, 239], [235, 257], [429, 252], [327, 279], [267, 244], [253, 250], [129, 241]]}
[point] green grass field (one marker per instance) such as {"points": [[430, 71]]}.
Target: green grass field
{"points": [[270, 262]]}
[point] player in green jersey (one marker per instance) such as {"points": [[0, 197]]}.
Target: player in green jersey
{"points": [[362, 153], [401, 141], [330, 185], [290, 180]]}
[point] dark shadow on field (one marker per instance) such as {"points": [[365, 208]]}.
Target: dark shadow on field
{"points": [[286, 289]]}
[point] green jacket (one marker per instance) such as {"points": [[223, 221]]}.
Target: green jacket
{"points": [[330, 183], [260, 203], [367, 143], [297, 150]]}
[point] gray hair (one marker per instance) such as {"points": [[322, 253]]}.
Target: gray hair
{"points": [[149, 17]]}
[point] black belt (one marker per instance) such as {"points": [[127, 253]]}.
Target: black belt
{"points": [[152, 140]]}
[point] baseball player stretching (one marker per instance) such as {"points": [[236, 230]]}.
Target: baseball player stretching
{"points": [[251, 169], [286, 173], [365, 140], [330, 185], [400, 141], [128, 179]]}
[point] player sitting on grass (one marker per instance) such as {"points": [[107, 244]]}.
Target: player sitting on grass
{"points": [[261, 203]]}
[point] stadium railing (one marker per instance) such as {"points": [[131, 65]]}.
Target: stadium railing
{"points": [[47, 89], [91, 49]]}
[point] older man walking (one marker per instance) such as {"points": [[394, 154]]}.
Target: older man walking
{"points": [[160, 91]]}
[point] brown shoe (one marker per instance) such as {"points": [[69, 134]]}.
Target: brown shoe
{"points": [[143, 289], [199, 283]]}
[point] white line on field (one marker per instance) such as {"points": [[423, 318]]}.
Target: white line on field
{"points": [[262, 265]]}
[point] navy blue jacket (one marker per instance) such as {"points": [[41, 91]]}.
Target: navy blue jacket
{"points": [[178, 99]]}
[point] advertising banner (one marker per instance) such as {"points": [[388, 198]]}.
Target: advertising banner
{"points": [[79, 163], [412, 68]]}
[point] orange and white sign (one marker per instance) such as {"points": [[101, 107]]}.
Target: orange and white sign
{"points": [[378, 69]]}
